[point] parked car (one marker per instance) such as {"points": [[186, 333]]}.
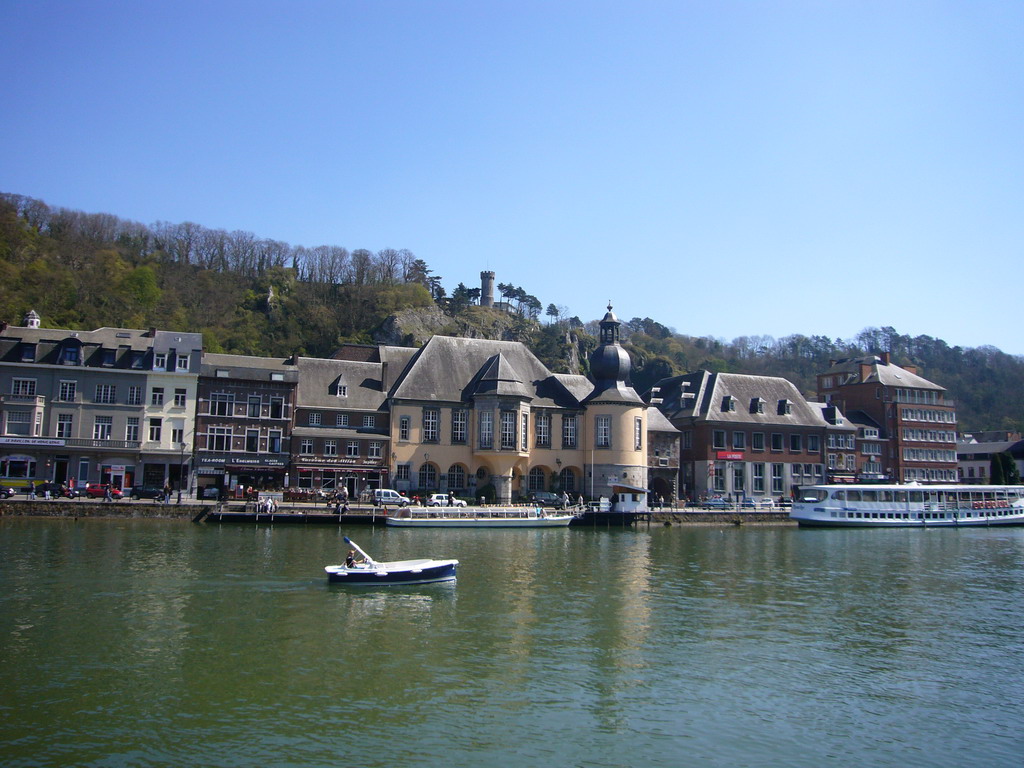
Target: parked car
{"points": [[147, 492], [758, 503], [716, 502], [6, 493], [99, 491], [211, 492], [546, 499], [441, 500], [383, 497]]}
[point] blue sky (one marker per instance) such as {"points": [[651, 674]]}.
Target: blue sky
{"points": [[726, 168]]}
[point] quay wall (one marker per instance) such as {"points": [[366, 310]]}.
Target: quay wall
{"points": [[76, 508]]}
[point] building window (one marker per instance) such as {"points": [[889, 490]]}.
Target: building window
{"points": [[177, 435], [524, 439], [569, 431], [221, 404], [66, 425], [131, 429], [687, 440], [456, 477], [508, 430], [487, 429], [352, 449], [330, 447], [106, 393], [252, 440], [274, 441], [778, 478], [543, 429], [431, 418], [182, 363], [341, 420], [19, 423], [568, 478], [718, 478], [813, 444], [403, 428], [535, 480], [428, 476], [795, 443], [738, 479], [276, 407], [155, 429], [342, 390], [739, 441], [638, 434], [757, 441], [603, 431], [459, 425], [777, 443], [70, 356], [219, 439], [314, 418], [255, 406], [159, 361], [785, 407], [757, 477], [68, 391], [306, 447], [180, 398], [718, 439], [102, 427], [369, 421], [156, 397], [374, 450]]}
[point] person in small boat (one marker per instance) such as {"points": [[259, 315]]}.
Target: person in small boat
{"points": [[351, 561]]}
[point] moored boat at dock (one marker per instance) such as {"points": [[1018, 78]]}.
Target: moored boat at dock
{"points": [[478, 517], [911, 505]]}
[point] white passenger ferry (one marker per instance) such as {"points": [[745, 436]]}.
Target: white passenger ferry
{"points": [[478, 517], [887, 506]]}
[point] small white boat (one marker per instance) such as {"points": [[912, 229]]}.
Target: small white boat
{"points": [[911, 505], [370, 572], [478, 517]]}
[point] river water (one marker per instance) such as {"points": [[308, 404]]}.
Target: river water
{"points": [[160, 643]]}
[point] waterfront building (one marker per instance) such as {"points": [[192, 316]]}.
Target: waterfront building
{"points": [[975, 454], [486, 418], [243, 423], [916, 423], [662, 457], [114, 405], [745, 436], [342, 423]]}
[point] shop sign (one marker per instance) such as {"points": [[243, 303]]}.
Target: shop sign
{"points": [[47, 442], [729, 455]]}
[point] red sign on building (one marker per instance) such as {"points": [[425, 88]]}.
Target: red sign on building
{"points": [[729, 455]]}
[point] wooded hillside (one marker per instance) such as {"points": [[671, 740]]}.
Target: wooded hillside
{"points": [[254, 296]]}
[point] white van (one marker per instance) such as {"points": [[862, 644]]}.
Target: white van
{"points": [[383, 497]]}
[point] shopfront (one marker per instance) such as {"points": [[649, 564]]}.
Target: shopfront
{"points": [[331, 475], [227, 472]]}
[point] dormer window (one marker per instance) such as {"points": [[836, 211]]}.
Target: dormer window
{"points": [[757, 405], [28, 353], [182, 363], [785, 407], [728, 403], [159, 361], [108, 357], [70, 355], [342, 390]]}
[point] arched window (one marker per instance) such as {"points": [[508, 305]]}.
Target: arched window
{"points": [[568, 478], [535, 480], [456, 477], [428, 477]]}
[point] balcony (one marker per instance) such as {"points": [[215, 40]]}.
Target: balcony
{"points": [[108, 445]]}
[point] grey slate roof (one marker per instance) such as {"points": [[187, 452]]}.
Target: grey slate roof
{"points": [[248, 367], [449, 369], [711, 389], [889, 375], [319, 379], [658, 422]]}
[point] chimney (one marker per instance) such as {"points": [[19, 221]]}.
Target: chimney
{"points": [[910, 369], [885, 358], [865, 371]]}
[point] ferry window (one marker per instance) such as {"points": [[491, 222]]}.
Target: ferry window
{"points": [[839, 495], [853, 495], [900, 496], [885, 495], [813, 495], [917, 496], [870, 495]]}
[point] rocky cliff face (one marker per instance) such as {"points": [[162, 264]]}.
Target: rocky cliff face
{"points": [[413, 327]]}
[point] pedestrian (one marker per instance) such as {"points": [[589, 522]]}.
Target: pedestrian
{"points": [[106, 493], [32, 490]]}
